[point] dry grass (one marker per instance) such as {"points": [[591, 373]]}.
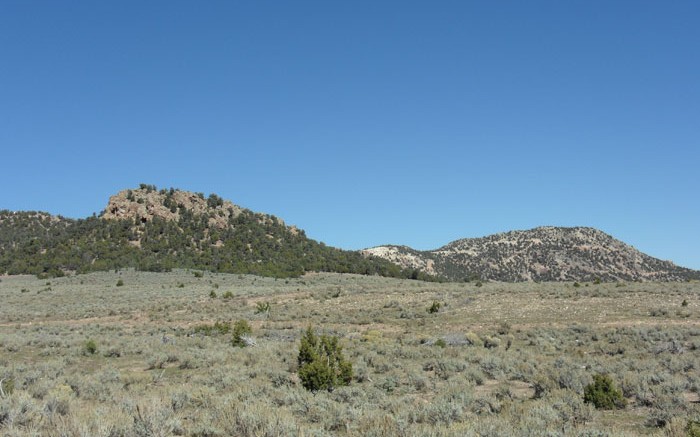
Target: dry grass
{"points": [[152, 374]]}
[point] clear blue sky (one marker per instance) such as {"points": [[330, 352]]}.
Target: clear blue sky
{"points": [[364, 122]]}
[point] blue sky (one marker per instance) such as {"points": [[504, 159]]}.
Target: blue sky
{"points": [[364, 122]]}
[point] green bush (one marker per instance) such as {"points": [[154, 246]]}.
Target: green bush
{"points": [[693, 429], [322, 365], [603, 394], [473, 339], [434, 308], [491, 342], [262, 308], [90, 347], [241, 329], [120, 283], [217, 328]]}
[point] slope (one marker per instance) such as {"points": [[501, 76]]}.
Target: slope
{"points": [[540, 254], [157, 230]]}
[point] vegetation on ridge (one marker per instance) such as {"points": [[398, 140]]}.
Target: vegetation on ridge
{"points": [[542, 254], [218, 237]]}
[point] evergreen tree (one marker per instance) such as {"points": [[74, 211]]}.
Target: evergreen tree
{"points": [[603, 394], [322, 365]]}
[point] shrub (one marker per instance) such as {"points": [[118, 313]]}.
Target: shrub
{"points": [[120, 283], [693, 429], [222, 328], [473, 339], [241, 332], [7, 386], [113, 352], [90, 347], [434, 308], [262, 308], [491, 342], [322, 365], [603, 394]]}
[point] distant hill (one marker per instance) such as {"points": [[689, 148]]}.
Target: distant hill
{"points": [[540, 254], [157, 230]]}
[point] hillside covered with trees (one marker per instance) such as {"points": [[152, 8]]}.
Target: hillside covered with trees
{"points": [[158, 230]]}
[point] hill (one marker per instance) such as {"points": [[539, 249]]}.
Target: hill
{"points": [[157, 230], [540, 254]]}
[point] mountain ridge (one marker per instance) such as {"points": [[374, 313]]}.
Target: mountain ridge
{"points": [[150, 229], [158, 230], [545, 253]]}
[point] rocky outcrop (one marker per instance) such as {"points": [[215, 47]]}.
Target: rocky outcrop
{"points": [[540, 254], [144, 204]]}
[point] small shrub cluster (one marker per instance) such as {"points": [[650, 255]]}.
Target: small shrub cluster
{"points": [[434, 308], [241, 334], [322, 365], [221, 328], [90, 347], [603, 394], [262, 308]]}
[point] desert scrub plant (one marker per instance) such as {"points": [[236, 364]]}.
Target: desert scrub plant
{"points": [[263, 308], [90, 347], [322, 365], [241, 334], [473, 339], [492, 342], [7, 387], [222, 328], [434, 307], [120, 283], [603, 394], [693, 428]]}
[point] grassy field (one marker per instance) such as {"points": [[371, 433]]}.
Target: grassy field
{"points": [[134, 354]]}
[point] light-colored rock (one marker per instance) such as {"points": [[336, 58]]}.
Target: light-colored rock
{"points": [[145, 204], [540, 254]]}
